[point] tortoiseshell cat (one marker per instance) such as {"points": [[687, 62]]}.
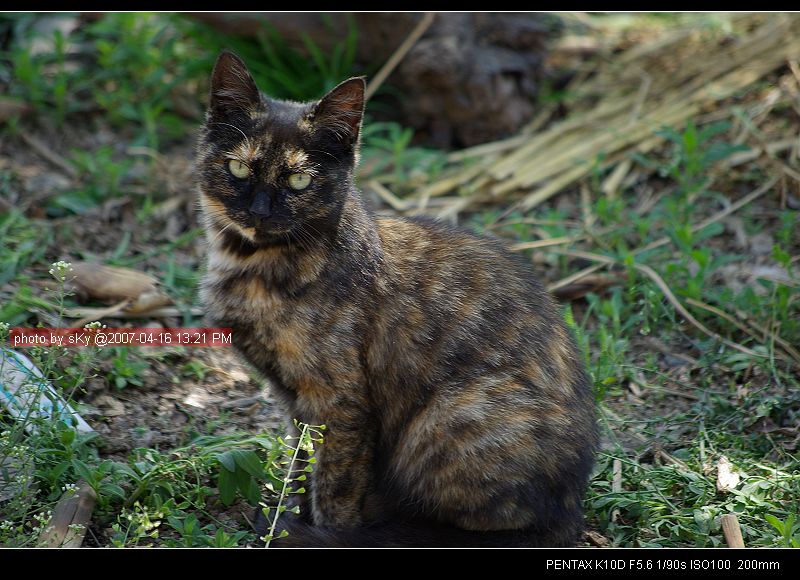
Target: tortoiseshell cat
{"points": [[457, 408]]}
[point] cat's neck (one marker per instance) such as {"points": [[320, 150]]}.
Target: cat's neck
{"points": [[306, 257]]}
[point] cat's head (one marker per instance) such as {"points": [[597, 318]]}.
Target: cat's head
{"points": [[276, 172]]}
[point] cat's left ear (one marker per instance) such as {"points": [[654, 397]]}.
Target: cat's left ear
{"points": [[233, 90], [342, 110]]}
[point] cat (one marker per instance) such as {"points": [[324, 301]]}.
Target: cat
{"points": [[456, 406]]}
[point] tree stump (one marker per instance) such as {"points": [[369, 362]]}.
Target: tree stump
{"points": [[471, 78]]}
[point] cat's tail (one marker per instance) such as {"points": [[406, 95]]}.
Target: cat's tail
{"points": [[414, 535]]}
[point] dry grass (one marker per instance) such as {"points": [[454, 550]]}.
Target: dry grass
{"points": [[616, 102]]}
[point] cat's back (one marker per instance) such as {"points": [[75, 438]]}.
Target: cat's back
{"points": [[467, 296], [490, 376]]}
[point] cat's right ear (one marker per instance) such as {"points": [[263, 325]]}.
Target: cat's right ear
{"points": [[233, 90]]}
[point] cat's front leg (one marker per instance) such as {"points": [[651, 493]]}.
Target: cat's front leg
{"points": [[343, 476]]}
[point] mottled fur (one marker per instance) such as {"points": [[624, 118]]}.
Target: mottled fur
{"points": [[456, 405]]}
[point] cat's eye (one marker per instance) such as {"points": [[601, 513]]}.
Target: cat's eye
{"points": [[238, 169], [299, 180]]}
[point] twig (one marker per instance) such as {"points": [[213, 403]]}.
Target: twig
{"points": [[717, 216], [613, 181], [102, 313], [667, 458], [676, 393], [653, 275], [771, 149], [387, 196], [616, 484], [732, 531], [546, 242], [575, 276], [665, 289], [93, 313], [398, 55], [788, 348], [50, 155]]}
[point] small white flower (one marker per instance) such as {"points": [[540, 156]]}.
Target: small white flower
{"points": [[59, 270]]}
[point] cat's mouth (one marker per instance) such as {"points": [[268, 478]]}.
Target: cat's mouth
{"points": [[267, 230]]}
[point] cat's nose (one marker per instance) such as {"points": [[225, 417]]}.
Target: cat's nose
{"points": [[262, 205]]}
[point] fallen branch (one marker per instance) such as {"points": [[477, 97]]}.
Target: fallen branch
{"points": [[70, 521], [49, 155], [732, 531], [398, 55], [665, 289]]}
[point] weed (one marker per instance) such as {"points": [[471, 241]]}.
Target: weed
{"points": [[125, 370], [302, 451], [388, 146]]}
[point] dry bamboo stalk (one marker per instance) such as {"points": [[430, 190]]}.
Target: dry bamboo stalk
{"points": [[547, 191], [611, 184], [460, 204], [447, 184], [669, 39], [732, 531], [673, 97], [609, 141], [771, 149], [554, 186], [488, 148], [602, 115], [387, 196], [716, 90]]}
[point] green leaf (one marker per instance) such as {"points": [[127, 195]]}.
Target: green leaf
{"points": [[776, 523], [249, 461], [67, 437], [83, 470], [176, 523], [227, 460], [252, 493], [226, 483], [126, 470], [112, 489]]}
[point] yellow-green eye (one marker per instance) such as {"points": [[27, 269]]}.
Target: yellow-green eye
{"points": [[238, 169], [299, 180]]}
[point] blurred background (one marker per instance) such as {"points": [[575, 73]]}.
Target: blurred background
{"points": [[647, 164]]}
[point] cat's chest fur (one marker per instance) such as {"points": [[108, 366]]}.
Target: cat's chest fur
{"points": [[300, 338]]}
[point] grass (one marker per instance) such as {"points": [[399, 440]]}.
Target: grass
{"points": [[673, 400], [725, 402]]}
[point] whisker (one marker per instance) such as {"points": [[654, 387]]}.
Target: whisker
{"points": [[247, 139]]}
